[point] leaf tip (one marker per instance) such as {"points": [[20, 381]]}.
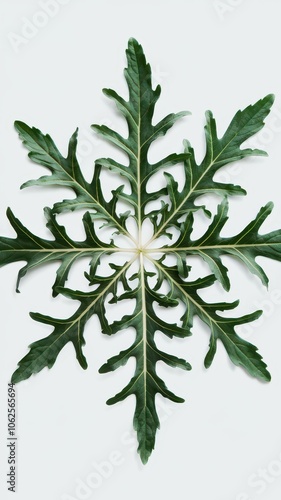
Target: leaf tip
{"points": [[18, 376], [133, 41], [258, 313], [14, 378], [267, 376], [18, 125], [83, 362], [144, 456], [270, 98]]}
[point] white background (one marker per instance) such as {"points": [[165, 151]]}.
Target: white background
{"points": [[224, 442]]}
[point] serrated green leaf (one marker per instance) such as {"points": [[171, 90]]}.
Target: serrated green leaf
{"points": [[219, 152], [223, 328], [43, 353], [37, 251], [66, 172], [138, 112], [146, 383], [245, 246]]}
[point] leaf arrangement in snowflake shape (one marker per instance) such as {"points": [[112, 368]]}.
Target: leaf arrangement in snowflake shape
{"points": [[172, 210]]}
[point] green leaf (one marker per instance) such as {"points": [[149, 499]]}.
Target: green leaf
{"points": [[245, 246], [241, 353], [219, 152], [37, 251], [146, 383], [43, 353], [138, 112], [144, 276], [66, 172]]}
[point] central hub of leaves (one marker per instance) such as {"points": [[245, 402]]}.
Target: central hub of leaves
{"points": [[141, 250]]}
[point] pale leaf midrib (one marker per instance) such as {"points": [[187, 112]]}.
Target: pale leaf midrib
{"points": [[209, 247]]}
